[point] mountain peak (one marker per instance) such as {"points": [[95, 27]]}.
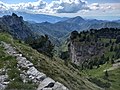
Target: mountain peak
{"points": [[16, 26], [76, 19], [46, 22], [14, 15]]}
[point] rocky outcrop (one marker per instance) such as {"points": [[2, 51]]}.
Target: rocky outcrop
{"points": [[3, 79], [82, 50], [15, 26], [79, 52], [30, 73]]}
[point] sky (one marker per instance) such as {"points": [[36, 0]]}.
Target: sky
{"points": [[90, 1], [99, 9]]}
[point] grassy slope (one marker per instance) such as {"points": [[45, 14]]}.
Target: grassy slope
{"points": [[98, 74], [10, 63], [53, 67]]}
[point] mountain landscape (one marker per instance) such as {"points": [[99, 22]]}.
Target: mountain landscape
{"points": [[62, 28], [59, 45], [36, 18], [27, 36]]}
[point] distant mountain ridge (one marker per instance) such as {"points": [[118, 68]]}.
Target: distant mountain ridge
{"points": [[38, 18], [62, 28], [56, 31]]}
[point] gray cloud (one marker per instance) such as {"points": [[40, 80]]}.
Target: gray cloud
{"points": [[58, 6], [69, 6]]}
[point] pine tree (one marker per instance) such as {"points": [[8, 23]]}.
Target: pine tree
{"points": [[111, 48], [106, 74]]}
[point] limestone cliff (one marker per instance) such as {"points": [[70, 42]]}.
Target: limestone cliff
{"points": [[82, 50]]}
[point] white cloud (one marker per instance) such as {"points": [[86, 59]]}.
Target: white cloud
{"points": [[94, 6], [68, 6], [59, 7], [104, 7], [24, 6]]}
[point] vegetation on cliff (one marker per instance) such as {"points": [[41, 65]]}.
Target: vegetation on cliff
{"points": [[96, 47]]}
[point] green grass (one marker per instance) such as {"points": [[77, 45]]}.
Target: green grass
{"points": [[114, 79], [10, 63], [52, 67], [21, 86], [97, 72], [64, 46], [98, 77], [6, 37], [109, 54], [105, 40]]}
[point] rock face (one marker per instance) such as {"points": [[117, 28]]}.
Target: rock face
{"points": [[81, 51], [30, 73], [15, 26]]}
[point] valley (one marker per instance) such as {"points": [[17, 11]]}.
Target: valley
{"points": [[71, 54]]}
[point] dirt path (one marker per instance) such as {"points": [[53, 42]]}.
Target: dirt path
{"points": [[114, 66]]}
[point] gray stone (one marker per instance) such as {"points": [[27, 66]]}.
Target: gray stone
{"points": [[5, 83], [59, 86], [34, 73], [18, 55], [2, 71], [21, 58], [2, 87], [45, 83], [3, 78], [29, 74], [24, 78], [47, 89], [23, 62]]}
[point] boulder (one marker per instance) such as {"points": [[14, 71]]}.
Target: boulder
{"points": [[45, 83], [2, 87], [23, 62], [59, 86], [3, 78], [34, 73]]}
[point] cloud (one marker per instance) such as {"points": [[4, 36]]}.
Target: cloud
{"points": [[104, 7], [68, 6], [94, 6], [24, 6], [58, 6]]}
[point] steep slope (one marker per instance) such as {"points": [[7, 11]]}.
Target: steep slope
{"points": [[54, 68], [93, 47], [98, 76], [15, 26], [97, 54], [30, 73], [62, 28]]}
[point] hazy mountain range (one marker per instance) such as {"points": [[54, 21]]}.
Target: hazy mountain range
{"points": [[61, 28], [38, 18], [55, 31], [19, 62]]}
